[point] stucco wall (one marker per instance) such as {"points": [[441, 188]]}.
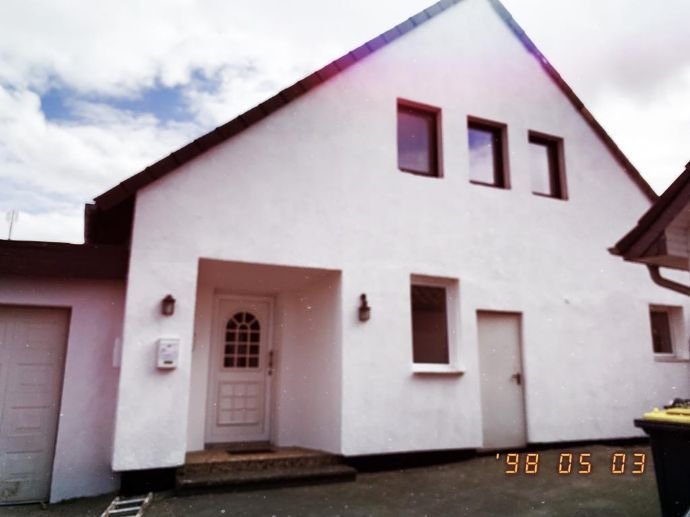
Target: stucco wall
{"points": [[85, 427], [309, 383], [316, 184]]}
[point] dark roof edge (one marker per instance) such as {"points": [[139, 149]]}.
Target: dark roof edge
{"points": [[674, 199], [575, 100], [130, 186]]}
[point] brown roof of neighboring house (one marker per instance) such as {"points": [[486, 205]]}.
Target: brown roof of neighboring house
{"points": [[58, 259], [130, 186], [655, 220]]}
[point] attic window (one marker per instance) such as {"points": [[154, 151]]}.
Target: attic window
{"points": [[418, 151], [487, 150], [546, 165]]}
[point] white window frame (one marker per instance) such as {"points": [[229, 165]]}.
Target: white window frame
{"points": [[452, 288]]}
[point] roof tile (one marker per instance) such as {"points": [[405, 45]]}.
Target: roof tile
{"points": [[253, 115], [405, 27], [161, 167], [433, 10], [274, 103], [292, 92], [419, 18], [376, 43], [391, 34], [231, 128], [345, 61], [361, 52], [327, 71], [134, 183], [310, 81]]}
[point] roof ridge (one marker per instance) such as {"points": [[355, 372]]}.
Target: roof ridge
{"points": [[131, 185]]}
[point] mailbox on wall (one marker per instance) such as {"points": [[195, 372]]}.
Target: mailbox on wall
{"points": [[168, 353]]}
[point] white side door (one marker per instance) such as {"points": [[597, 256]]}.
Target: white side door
{"points": [[240, 371], [32, 357], [500, 365]]}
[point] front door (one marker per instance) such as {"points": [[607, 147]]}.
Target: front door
{"points": [[240, 371], [500, 364]]}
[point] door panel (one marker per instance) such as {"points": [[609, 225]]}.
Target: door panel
{"points": [[502, 379], [240, 372], [32, 351]]}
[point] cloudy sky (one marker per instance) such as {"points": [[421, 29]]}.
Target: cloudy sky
{"points": [[92, 92]]}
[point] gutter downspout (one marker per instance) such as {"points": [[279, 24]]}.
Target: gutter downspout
{"points": [[665, 282]]}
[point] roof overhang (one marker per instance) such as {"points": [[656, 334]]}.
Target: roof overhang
{"points": [[647, 243], [62, 260]]}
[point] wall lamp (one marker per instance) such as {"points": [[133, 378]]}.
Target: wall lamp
{"points": [[168, 305], [364, 309]]}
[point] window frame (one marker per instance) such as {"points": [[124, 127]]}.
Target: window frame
{"points": [[501, 164], [556, 158], [451, 288], [676, 329], [425, 109]]}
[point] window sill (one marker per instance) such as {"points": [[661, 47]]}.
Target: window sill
{"points": [[487, 184], [549, 196], [436, 369], [670, 359]]}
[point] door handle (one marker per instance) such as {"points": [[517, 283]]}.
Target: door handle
{"points": [[518, 377], [270, 362]]}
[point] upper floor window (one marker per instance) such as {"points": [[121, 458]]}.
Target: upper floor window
{"points": [[546, 165], [487, 149], [418, 139]]}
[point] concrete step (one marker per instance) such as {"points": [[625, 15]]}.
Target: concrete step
{"points": [[263, 478], [216, 468]]}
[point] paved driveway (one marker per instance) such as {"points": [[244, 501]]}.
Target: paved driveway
{"points": [[476, 487]]}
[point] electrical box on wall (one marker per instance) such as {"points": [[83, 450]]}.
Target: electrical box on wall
{"points": [[168, 353]]}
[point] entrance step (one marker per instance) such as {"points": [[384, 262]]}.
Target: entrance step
{"points": [[216, 468]]}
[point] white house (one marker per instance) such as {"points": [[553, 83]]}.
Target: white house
{"points": [[445, 171]]}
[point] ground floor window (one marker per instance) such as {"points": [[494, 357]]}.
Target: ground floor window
{"points": [[433, 308], [666, 325]]}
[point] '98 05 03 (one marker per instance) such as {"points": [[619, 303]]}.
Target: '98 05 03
{"points": [[570, 463]]}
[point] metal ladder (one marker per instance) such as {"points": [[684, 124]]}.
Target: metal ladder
{"points": [[128, 507]]}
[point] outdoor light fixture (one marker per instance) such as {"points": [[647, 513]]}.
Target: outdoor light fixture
{"points": [[364, 309], [168, 305]]}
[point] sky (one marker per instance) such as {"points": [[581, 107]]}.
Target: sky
{"points": [[93, 92]]}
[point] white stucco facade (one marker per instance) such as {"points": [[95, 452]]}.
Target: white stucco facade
{"points": [[316, 186], [305, 211], [83, 449]]}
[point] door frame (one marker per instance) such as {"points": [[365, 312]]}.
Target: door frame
{"points": [[521, 357], [211, 382]]}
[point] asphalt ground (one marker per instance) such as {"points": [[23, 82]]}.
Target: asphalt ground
{"points": [[481, 486]]}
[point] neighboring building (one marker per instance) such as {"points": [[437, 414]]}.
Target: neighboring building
{"points": [[661, 239], [444, 170]]}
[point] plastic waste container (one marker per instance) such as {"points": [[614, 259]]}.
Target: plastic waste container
{"points": [[669, 434]]}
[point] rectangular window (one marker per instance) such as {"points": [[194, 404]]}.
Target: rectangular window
{"points": [[546, 165], [662, 340], [418, 150], [487, 146], [429, 324]]}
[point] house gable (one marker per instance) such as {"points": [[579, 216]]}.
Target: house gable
{"points": [[128, 188]]}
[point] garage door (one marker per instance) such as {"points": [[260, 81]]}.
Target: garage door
{"points": [[32, 352]]}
